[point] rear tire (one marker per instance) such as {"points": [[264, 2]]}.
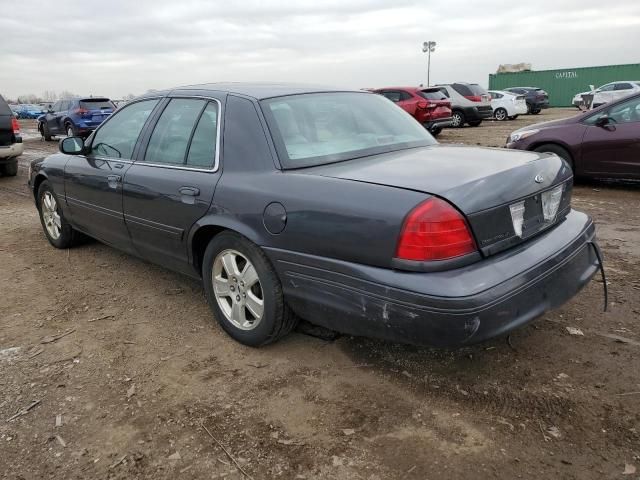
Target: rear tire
{"points": [[500, 114], [558, 150], [10, 169], [70, 130], [435, 131], [535, 112], [226, 267], [475, 123], [457, 119], [56, 228]]}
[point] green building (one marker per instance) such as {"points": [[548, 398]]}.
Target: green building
{"points": [[563, 84]]}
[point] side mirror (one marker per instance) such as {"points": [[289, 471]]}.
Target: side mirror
{"points": [[603, 120], [72, 145]]}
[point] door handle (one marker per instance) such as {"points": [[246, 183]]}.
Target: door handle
{"points": [[114, 180], [190, 191], [118, 166]]}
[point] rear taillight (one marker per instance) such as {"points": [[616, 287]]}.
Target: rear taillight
{"points": [[422, 104], [15, 126], [81, 111], [434, 230], [474, 98]]}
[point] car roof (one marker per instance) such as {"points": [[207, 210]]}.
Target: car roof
{"points": [[256, 90]]}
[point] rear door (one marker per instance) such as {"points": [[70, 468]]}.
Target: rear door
{"points": [[614, 150], [171, 184], [93, 183]]}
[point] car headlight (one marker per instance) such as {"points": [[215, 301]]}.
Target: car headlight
{"points": [[515, 136]]}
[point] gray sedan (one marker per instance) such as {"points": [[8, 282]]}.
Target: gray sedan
{"points": [[330, 205]]}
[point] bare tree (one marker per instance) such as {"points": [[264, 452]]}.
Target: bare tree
{"points": [[29, 98], [50, 96], [66, 94]]}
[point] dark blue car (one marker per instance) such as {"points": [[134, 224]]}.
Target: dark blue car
{"points": [[330, 205], [75, 117]]}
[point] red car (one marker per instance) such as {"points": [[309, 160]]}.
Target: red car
{"points": [[429, 106]]}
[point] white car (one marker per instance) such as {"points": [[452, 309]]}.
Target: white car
{"points": [[507, 105], [608, 93]]}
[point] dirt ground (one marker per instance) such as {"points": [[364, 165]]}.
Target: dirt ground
{"points": [[142, 369]]}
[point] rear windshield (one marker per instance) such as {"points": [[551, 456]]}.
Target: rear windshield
{"points": [[432, 94], [318, 128], [97, 104], [469, 89]]}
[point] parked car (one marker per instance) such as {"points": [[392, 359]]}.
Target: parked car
{"points": [[507, 105], [28, 111], [75, 117], [607, 93], [470, 103], [331, 205], [536, 98], [11, 146], [604, 142], [429, 106]]}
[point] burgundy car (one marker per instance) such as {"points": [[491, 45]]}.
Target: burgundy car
{"points": [[603, 142], [429, 106]]}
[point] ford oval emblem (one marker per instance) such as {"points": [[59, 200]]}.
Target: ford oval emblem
{"points": [[539, 178]]}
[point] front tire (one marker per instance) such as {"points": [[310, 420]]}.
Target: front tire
{"points": [[10, 169], [244, 291], [46, 133], [57, 230], [435, 131], [500, 114], [457, 119]]}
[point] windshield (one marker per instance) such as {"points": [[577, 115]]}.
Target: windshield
{"points": [[319, 128]]}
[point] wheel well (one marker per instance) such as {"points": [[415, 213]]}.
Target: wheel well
{"points": [[36, 185], [556, 144], [200, 241]]}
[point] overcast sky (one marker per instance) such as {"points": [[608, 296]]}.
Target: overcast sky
{"points": [[118, 47]]}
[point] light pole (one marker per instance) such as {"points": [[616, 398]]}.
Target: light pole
{"points": [[428, 47]]}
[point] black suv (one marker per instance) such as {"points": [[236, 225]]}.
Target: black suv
{"points": [[10, 140], [536, 98]]}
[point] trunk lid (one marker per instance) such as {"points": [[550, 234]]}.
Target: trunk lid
{"points": [[483, 183]]}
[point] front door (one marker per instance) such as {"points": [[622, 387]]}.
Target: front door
{"points": [[93, 183], [613, 149], [171, 184], [53, 117]]}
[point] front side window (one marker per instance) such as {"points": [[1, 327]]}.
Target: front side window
{"points": [[318, 128], [626, 112], [607, 88], [117, 137]]}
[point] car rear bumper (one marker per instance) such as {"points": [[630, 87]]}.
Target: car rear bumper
{"points": [[473, 114], [9, 152], [437, 123], [539, 104], [450, 308]]}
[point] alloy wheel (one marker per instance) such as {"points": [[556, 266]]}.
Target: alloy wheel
{"points": [[237, 289], [69, 131], [456, 120], [501, 114], [50, 215]]}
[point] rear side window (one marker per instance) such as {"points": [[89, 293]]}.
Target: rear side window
{"points": [[117, 137], [463, 90], [171, 135], [444, 92], [202, 150], [97, 104], [393, 95], [623, 86]]}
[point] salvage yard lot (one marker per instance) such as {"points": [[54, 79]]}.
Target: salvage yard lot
{"points": [[142, 367]]}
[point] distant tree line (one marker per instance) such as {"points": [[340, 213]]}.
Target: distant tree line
{"points": [[50, 96]]}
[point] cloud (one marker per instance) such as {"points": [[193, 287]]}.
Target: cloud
{"points": [[117, 47]]}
